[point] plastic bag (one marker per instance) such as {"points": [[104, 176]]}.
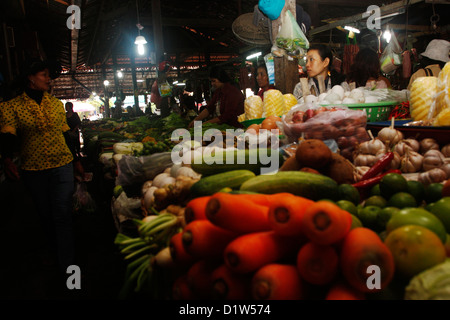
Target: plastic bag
{"points": [[124, 208], [344, 125], [271, 8], [165, 90], [391, 57], [136, 170], [82, 200], [290, 37]]}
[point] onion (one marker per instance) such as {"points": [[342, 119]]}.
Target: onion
{"points": [[163, 179], [146, 186], [149, 197], [188, 172]]}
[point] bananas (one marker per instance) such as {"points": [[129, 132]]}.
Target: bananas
{"points": [[154, 235]]}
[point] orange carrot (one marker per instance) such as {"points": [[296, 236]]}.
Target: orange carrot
{"points": [[325, 223], [203, 240], [228, 285], [286, 213], [199, 277], [238, 214], [249, 252], [277, 282], [181, 290], [317, 264], [342, 291], [178, 252], [362, 248], [195, 209]]}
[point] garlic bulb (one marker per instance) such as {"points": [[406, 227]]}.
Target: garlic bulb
{"points": [[411, 162], [149, 197], [163, 179], [435, 175], [446, 168], [390, 136], [446, 150], [428, 144], [188, 172], [372, 146], [405, 144], [432, 159], [146, 186], [395, 163], [365, 160], [358, 172]]}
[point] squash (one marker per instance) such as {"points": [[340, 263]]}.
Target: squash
{"points": [[214, 183]]}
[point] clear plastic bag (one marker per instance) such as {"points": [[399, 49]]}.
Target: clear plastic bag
{"points": [[391, 58], [82, 200], [290, 37], [124, 208], [165, 90], [136, 170], [344, 125]]}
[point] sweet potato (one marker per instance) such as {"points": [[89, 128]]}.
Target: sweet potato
{"points": [[339, 169], [313, 153], [290, 164]]}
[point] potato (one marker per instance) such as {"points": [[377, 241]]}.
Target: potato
{"points": [[339, 169], [313, 153], [291, 164], [310, 170]]}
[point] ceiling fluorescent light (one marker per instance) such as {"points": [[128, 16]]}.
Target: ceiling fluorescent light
{"points": [[254, 55], [400, 11], [352, 29]]}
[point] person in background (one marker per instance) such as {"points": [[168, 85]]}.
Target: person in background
{"points": [[365, 71], [74, 122], [434, 58], [262, 78], [36, 121], [319, 60], [227, 101]]}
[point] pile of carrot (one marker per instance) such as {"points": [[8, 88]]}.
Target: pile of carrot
{"points": [[274, 247]]}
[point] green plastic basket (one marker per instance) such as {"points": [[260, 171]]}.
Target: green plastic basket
{"points": [[377, 111], [248, 123]]}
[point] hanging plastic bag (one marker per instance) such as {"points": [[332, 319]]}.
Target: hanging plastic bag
{"points": [[82, 200], [165, 90], [290, 37], [271, 8], [391, 58]]}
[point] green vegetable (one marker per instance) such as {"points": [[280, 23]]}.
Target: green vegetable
{"points": [[431, 284]]}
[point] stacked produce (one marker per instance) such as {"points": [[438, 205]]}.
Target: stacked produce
{"points": [[430, 98], [275, 104]]}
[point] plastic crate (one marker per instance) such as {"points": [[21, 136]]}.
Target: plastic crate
{"points": [[378, 111], [248, 123]]}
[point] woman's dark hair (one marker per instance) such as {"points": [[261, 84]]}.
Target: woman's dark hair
{"points": [[365, 66], [69, 104], [220, 74], [324, 52], [425, 62]]}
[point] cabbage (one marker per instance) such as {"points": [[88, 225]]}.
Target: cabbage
{"points": [[431, 284]]}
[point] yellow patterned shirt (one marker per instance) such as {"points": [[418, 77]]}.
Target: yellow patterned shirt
{"points": [[40, 128]]}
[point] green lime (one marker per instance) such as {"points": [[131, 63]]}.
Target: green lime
{"points": [[369, 216], [348, 192], [417, 190], [375, 191], [348, 206], [356, 223], [391, 184], [384, 215], [441, 209], [429, 207], [433, 192], [377, 201], [402, 200]]}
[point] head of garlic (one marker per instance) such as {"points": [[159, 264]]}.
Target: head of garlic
{"points": [[435, 175], [428, 144], [406, 144], [411, 162], [365, 160], [372, 146], [390, 136], [446, 150], [432, 159]]}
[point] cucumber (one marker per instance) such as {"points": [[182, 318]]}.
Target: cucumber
{"points": [[209, 185], [309, 185], [205, 165]]}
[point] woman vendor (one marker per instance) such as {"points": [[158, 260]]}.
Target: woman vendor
{"points": [[318, 65], [227, 101], [262, 78]]}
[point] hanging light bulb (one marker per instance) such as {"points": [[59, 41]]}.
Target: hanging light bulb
{"points": [[140, 40], [119, 74], [387, 35], [141, 49]]}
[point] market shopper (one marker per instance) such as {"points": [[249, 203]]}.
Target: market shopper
{"points": [[432, 61], [319, 60], [74, 122], [262, 77], [36, 121], [365, 70], [227, 101]]}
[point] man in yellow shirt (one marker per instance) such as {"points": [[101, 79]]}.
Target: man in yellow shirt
{"points": [[37, 121]]}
